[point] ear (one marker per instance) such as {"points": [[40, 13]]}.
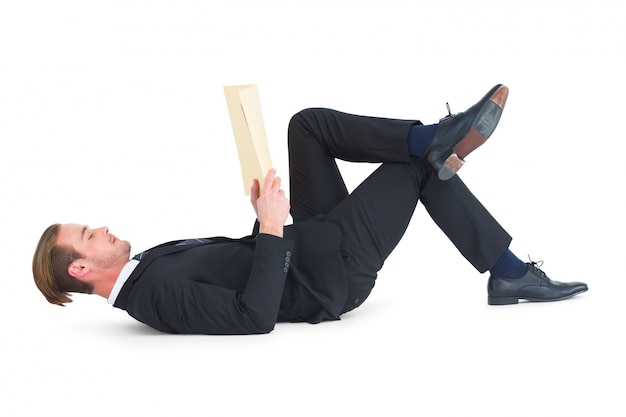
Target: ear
{"points": [[78, 269]]}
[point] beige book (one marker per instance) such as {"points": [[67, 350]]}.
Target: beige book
{"points": [[246, 118]]}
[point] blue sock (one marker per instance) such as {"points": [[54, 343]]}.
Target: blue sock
{"points": [[420, 136], [509, 266]]}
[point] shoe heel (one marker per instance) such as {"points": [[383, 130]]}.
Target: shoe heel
{"points": [[500, 301], [450, 167]]}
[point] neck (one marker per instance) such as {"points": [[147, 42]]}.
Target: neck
{"points": [[104, 285], [103, 289]]}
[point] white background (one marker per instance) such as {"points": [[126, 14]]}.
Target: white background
{"points": [[112, 113]]}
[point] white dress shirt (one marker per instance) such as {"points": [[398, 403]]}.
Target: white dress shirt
{"points": [[121, 280]]}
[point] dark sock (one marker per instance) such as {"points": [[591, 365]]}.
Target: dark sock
{"points": [[420, 136], [509, 266]]}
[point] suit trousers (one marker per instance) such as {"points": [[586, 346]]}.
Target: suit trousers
{"points": [[374, 217]]}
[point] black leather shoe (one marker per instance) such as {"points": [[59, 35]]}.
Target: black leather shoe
{"points": [[534, 286], [459, 134]]}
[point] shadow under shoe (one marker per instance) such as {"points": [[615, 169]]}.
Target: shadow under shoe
{"points": [[533, 286], [459, 134]]}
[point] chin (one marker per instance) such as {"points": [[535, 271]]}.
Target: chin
{"points": [[126, 246]]}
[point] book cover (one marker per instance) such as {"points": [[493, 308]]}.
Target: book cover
{"points": [[244, 107]]}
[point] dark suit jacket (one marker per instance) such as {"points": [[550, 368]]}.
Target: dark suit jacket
{"points": [[240, 286]]}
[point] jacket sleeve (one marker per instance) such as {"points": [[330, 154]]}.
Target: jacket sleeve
{"points": [[189, 306]]}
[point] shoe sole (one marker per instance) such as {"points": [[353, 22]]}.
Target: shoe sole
{"points": [[485, 124], [499, 301]]}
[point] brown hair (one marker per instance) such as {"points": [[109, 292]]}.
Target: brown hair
{"points": [[50, 269]]}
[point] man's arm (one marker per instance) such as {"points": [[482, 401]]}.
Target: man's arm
{"points": [[186, 305], [189, 306]]}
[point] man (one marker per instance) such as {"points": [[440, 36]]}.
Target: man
{"points": [[325, 263]]}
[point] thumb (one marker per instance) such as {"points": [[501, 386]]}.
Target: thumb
{"points": [[254, 189]]}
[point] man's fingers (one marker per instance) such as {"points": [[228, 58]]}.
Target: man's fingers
{"points": [[276, 183], [272, 182], [269, 177], [254, 190]]}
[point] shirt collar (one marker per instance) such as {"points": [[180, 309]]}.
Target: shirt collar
{"points": [[121, 280]]}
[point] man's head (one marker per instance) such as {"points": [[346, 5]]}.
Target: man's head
{"points": [[75, 258]]}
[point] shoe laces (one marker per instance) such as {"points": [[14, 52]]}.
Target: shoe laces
{"points": [[449, 115], [537, 266]]}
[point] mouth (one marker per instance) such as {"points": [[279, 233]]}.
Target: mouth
{"points": [[113, 239]]}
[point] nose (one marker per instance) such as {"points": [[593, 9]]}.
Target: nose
{"points": [[104, 230]]}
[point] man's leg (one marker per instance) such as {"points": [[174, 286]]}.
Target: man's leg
{"points": [[317, 137], [466, 222], [375, 216]]}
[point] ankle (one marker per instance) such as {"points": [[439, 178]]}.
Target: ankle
{"points": [[420, 138], [509, 266]]}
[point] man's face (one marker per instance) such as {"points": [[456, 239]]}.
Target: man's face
{"points": [[99, 248]]}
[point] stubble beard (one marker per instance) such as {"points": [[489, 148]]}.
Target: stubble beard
{"points": [[120, 255]]}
